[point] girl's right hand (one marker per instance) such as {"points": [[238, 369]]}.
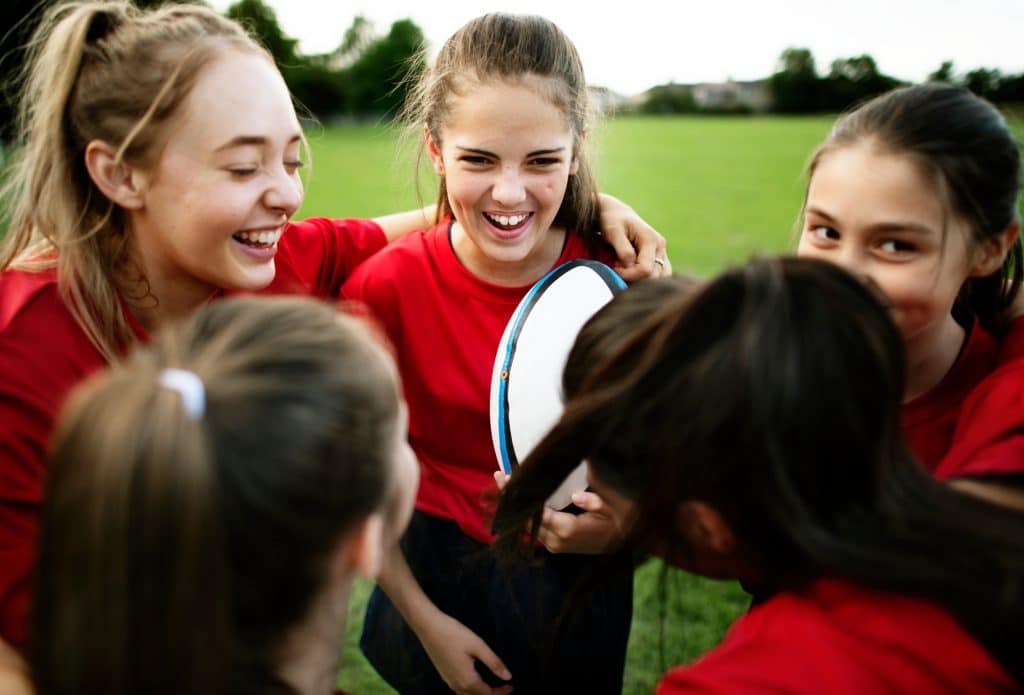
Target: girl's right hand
{"points": [[453, 648]]}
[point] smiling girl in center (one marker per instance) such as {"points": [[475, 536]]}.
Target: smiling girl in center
{"points": [[504, 113]]}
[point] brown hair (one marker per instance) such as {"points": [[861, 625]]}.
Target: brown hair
{"points": [[962, 144], [510, 47], [99, 70], [177, 548]]}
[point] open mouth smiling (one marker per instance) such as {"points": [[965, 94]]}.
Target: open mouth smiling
{"points": [[508, 223]]}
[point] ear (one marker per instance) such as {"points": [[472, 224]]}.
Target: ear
{"points": [[120, 182], [434, 151], [705, 528], [364, 548], [990, 255]]}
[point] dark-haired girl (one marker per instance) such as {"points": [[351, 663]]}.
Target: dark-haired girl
{"points": [[751, 430]]}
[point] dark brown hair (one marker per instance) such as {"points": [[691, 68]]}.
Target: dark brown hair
{"points": [[773, 394], [962, 144]]}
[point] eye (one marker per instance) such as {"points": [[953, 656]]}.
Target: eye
{"points": [[294, 165], [474, 160], [897, 246], [545, 161], [824, 233], [243, 171]]}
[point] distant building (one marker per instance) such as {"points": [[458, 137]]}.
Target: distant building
{"points": [[607, 101], [724, 96]]}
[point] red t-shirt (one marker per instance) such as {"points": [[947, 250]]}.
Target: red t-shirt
{"points": [[1012, 345], [928, 421], [44, 353], [839, 638], [445, 324], [989, 436]]}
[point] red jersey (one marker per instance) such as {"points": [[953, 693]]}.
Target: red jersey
{"points": [[928, 421], [44, 353], [445, 325], [989, 436], [1012, 345], [840, 638]]}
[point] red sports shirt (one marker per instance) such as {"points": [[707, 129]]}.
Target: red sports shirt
{"points": [[839, 638], [445, 324], [44, 353]]}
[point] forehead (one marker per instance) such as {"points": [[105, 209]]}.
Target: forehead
{"points": [[504, 112], [863, 182], [238, 93]]}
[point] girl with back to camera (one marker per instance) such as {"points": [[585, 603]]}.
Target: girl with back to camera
{"points": [[503, 115], [794, 479], [917, 190], [159, 170], [210, 500]]}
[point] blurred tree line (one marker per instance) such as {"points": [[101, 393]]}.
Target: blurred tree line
{"points": [[365, 76], [796, 87]]}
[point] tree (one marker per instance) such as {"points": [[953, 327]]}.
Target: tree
{"points": [[379, 78], [853, 80], [356, 40], [260, 19], [794, 86], [983, 82], [669, 98], [944, 73]]}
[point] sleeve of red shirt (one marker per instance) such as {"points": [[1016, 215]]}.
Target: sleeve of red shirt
{"points": [[43, 354], [989, 435], [318, 255]]}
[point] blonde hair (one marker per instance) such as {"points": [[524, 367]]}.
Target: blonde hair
{"points": [[196, 538], [99, 70], [511, 47]]}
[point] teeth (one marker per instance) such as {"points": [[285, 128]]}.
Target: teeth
{"points": [[508, 220], [262, 238]]}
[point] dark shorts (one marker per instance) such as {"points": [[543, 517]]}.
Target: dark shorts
{"points": [[514, 609]]}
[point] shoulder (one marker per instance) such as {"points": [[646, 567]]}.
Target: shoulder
{"points": [[400, 262], [24, 294], [837, 637], [989, 434]]}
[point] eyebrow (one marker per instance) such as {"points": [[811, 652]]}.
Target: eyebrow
{"points": [[912, 227], [243, 140], [535, 153]]}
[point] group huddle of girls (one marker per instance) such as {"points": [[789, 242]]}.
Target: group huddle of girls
{"points": [[190, 479]]}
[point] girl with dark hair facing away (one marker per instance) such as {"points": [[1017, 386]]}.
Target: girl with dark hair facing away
{"points": [[210, 500], [918, 190], [502, 114], [792, 476], [159, 170]]}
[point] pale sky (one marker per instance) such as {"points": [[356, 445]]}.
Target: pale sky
{"points": [[631, 45]]}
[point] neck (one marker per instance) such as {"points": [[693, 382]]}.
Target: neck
{"points": [[508, 273], [931, 355], [157, 294], [309, 660]]}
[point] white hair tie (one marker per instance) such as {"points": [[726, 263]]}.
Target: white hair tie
{"points": [[190, 387]]}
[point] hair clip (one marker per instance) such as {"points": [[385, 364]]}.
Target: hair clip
{"points": [[190, 387]]}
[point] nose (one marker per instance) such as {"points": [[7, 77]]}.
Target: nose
{"points": [[284, 192], [509, 189]]}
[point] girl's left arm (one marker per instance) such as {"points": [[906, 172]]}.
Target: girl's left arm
{"points": [[640, 249]]}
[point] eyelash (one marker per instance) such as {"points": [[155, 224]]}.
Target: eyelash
{"points": [[241, 172]]}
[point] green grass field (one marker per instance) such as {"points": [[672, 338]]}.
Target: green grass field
{"points": [[720, 190]]}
